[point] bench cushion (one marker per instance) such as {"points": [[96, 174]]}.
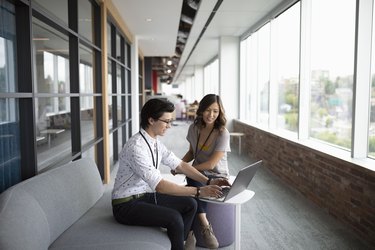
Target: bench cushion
{"points": [[65, 208], [35, 212], [98, 229]]}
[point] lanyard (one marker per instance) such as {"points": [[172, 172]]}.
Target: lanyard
{"points": [[152, 153], [196, 145]]}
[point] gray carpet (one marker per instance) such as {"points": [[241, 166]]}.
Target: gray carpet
{"points": [[277, 217]]}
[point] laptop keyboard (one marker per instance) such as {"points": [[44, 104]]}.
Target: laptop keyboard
{"points": [[225, 191]]}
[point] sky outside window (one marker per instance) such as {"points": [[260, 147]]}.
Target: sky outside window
{"points": [[332, 65]]}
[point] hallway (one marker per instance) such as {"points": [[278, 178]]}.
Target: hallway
{"points": [[277, 217]]}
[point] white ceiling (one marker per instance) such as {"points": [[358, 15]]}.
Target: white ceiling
{"points": [[158, 37]]}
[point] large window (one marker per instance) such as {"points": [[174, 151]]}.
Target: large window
{"points": [[109, 82], [249, 76], [85, 19], [52, 111], [86, 78], [332, 65], [88, 96], [285, 32], [306, 61], [57, 9], [119, 90], [50, 88], [10, 161], [7, 57], [371, 146], [65, 79], [255, 77], [263, 60]]}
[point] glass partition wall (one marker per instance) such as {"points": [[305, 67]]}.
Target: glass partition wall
{"points": [[331, 71], [119, 90], [10, 144], [67, 90], [50, 99]]}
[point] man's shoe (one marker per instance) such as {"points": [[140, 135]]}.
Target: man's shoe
{"points": [[190, 241], [209, 237]]}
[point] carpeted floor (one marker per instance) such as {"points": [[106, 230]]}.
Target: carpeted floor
{"points": [[277, 217]]}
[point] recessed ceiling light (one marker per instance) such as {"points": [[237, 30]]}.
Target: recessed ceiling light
{"points": [[148, 19]]}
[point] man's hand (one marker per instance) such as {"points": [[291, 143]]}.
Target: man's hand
{"points": [[220, 182], [175, 171], [210, 190]]}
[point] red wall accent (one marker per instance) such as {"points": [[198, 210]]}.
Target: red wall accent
{"points": [[155, 81]]}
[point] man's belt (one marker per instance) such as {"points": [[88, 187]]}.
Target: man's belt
{"points": [[126, 199]]}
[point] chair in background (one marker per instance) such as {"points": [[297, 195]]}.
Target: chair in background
{"points": [[191, 112]]}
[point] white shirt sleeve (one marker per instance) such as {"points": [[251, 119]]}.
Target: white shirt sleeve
{"points": [[168, 157]]}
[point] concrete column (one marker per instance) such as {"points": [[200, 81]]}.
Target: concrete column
{"points": [[135, 86], [198, 77], [229, 62]]}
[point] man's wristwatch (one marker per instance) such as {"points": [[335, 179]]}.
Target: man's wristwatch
{"points": [[198, 192]]}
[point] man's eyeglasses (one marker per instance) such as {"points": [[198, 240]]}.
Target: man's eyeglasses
{"points": [[168, 122]]}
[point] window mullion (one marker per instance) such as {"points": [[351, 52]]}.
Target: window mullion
{"points": [[362, 79], [305, 57], [274, 85]]}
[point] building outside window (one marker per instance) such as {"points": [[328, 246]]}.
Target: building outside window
{"points": [[285, 33], [327, 56], [332, 66]]}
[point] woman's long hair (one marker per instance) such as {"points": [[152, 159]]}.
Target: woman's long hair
{"points": [[206, 102]]}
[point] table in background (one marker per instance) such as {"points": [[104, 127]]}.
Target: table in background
{"points": [[238, 135], [50, 132]]}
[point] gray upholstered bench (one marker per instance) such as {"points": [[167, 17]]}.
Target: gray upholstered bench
{"points": [[68, 208]]}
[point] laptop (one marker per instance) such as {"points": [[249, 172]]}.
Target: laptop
{"points": [[240, 183]]}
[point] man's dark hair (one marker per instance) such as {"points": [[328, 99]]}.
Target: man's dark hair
{"points": [[155, 108]]}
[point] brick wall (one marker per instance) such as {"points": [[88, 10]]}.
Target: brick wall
{"points": [[345, 190]]}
